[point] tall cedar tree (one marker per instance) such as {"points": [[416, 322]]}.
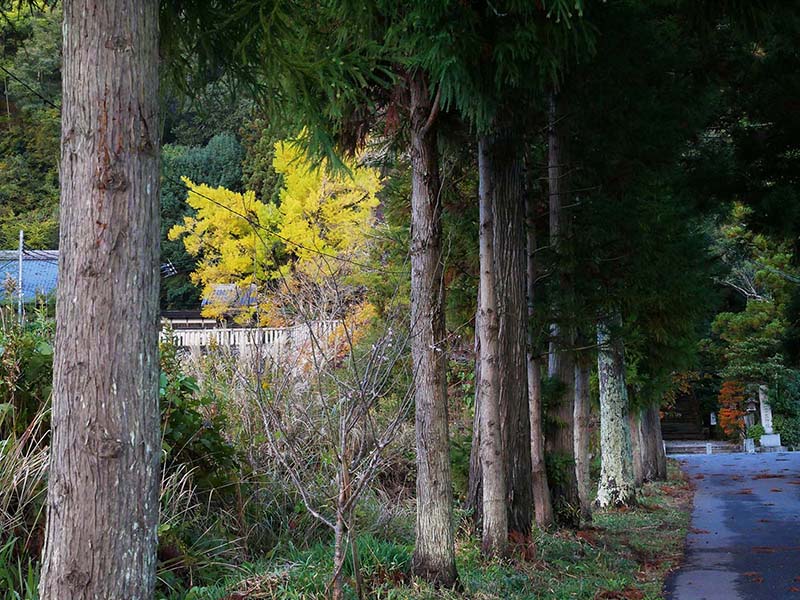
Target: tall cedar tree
{"points": [[640, 249], [102, 509], [528, 46]]}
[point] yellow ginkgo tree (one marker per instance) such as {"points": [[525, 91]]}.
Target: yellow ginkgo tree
{"points": [[325, 216], [323, 220], [232, 235]]}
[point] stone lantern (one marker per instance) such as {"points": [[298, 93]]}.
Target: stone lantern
{"points": [[750, 410]]}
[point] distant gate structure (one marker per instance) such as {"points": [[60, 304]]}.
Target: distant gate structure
{"points": [[273, 340]]}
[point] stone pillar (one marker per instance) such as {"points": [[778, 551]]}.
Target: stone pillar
{"points": [[766, 409], [770, 439]]}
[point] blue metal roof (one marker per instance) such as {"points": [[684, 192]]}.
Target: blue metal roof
{"points": [[231, 295], [39, 272]]}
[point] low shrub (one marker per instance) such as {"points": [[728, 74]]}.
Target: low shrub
{"points": [[789, 428], [755, 432]]}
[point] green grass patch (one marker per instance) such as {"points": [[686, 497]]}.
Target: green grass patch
{"points": [[625, 554]]}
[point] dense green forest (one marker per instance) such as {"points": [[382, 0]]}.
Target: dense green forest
{"points": [[508, 239]]}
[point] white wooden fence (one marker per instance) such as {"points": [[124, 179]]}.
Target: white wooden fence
{"points": [[271, 339]]}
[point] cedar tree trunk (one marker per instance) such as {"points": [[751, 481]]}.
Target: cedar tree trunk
{"points": [[474, 500], [654, 461], [617, 486], [510, 273], [541, 490], [582, 413], [560, 434], [102, 509], [635, 426], [434, 553], [495, 517]]}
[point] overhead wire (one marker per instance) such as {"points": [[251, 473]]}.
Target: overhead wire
{"points": [[29, 88]]}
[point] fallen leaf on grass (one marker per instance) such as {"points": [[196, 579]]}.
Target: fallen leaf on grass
{"points": [[383, 576], [523, 546], [626, 594], [587, 536], [647, 570]]}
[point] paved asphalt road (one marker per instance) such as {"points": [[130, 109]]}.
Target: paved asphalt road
{"points": [[744, 541]]}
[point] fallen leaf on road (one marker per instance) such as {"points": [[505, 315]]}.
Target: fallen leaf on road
{"points": [[754, 577]]}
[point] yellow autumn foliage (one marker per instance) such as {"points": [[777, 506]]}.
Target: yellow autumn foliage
{"points": [[322, 219], [324, 215], [231, 234]]}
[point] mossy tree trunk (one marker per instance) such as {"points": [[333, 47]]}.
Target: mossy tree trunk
{"points": [[617, 485]]}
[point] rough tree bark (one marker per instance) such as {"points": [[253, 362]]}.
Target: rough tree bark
{"points": [[503, 172], [635, 427], [617, 486], [474, 499], [493, 470], [661, 454], [104, 472], [654, 461], [541, 490], [582, 415], [560, 434], [434, 553], [510, 273]]}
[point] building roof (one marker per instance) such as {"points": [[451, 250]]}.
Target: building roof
{"points": [[39, 272], [231, 295]]}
